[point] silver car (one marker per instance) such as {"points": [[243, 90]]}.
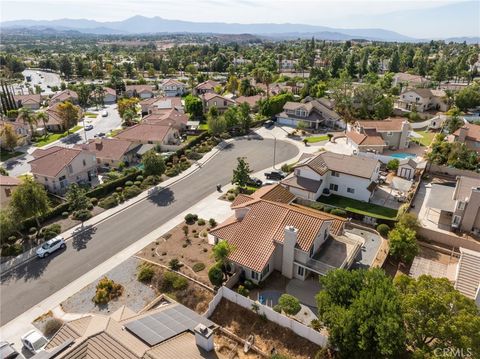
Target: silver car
{"points": [[34, 341], [51, 246]]}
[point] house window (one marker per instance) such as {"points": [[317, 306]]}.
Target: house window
{"points": [[84, 163], [300, 271], [70, 168], [266, 270], [225, 103], [214, 103], [461, 205], [390, 133], [333, 187], [255, 275], [350, 190], [297, 172], [46, 179], [8, 192], [325, 234], [312, 250], [456, 221], [335, 174]]}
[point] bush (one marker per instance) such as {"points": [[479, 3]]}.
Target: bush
{"points": [[191, 218], [108, 187], [287, 168], [168, 281], [201, 222], [338, 212], [249, 284], [82, 215], [137, 183], [107, 290], [32, 230], [52, 326], [277, 308], [392, 165], [128, 183], [94, 201], [243, 291], [215, 275], [131, 192], [65, 214], [119, 189], [109, 202], [197, 267], [212, 222], [290, 305], [139, 178], [383, 229], [194, 156], [51, 231], [145, 273], [231, 197], [174, 264], [11, 249], [90, 206], [150, 181]]}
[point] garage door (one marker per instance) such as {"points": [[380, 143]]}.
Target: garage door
{"points": [[286, 122]]}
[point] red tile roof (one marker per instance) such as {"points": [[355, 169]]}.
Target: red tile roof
{"points": [[473, 133], [9, 181], [108, 148], [144, 132], [51, 161]]}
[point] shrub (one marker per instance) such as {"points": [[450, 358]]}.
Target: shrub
{"points": [[191, 218], [119, 189], [150, 181], [392, 165], [197, 267], [168, 281], [107, 188], [107, 290], [65, 214], [145, 273], [52, 231], [201, 222], [128, 183], [11, 249], [383, 229], [131, 192], [174, 264], [94, 201], [52, 326], [231, 197], [287, 168], [109, 202], [32, 230], [215, 275], [338, 212], [90, 206], [249, 284], [139, 178], [212, 222], [82, 215], [277, 308], [137, 183], [243, 291], [194, 156], [290, 305]]}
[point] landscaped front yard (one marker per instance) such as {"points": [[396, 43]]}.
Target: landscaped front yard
{"points": [[52, 137], [5, 155], [427, 138], [352, 205]]}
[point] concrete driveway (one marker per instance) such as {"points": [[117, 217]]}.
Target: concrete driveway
{"points": [[339, 146]]}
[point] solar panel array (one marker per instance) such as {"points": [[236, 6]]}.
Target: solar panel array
{"points": [[163, 325]]}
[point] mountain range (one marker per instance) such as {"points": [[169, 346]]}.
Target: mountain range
{"points": [[152, 25]]}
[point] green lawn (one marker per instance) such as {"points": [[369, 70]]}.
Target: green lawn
{"points": [[427, 138], [52, 137], [4, 155], [315, 139], [90, 115], [191, 138], [352, 205], [203, 127]]}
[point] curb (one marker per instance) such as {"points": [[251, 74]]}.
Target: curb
{"points": [[5, 268]]}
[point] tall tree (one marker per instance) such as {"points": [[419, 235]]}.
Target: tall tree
{"points": [[9, 137], [153, 163], [77, 198], [194, 106], [42, 116], [394, 65], [29, 200], [403, 243], [241, 174], [66, 66], [27, 116], [244, 118], [216, 124], [438, 317], [69, 114]]}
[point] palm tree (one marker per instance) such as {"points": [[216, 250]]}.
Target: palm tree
{"points": [[27, 116], [43, 116], [128, 117]]}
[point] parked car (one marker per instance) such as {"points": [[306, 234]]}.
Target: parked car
{"points": [[275, 175], [100, 134], [34, 341], [7, 351], [88, 127], [269, 124], [104, 113], [254, 181], [51, 246]]}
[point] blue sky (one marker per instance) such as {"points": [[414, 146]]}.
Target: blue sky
{"points": [[418, 21]]}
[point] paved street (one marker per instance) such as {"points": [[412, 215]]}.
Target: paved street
{"points": [[47, 79], [19, 165], [31, 283]]}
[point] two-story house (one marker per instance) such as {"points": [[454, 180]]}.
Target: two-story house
{"points": [[156, 104], [376, 136], [268, 232], [422, 100], [172, 87], [205, 87], [333, 173], [110, 152], [58, 167], [466, 215], [469, 134], [312, 113], [214, 100], [140, 91]]}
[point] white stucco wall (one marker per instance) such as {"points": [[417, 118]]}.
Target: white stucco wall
{"points": [[345, 181]]}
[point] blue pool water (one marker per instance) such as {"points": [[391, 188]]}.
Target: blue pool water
{"points": [[402, 155]]}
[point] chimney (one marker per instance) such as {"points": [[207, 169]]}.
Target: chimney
{"points": [[240, 213], [462, 134], [289, 242], [204, 337]]}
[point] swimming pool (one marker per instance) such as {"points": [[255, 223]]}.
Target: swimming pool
{"points": [[402, 155]]}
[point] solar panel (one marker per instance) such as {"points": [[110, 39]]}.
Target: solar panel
{"points": [[165, 324]]}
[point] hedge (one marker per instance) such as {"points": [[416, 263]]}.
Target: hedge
{"points": [[107, 188], [52, 213]]}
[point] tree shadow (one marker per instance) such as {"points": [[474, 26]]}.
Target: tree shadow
{"points": [[33, 269], [82, 236], [162, 197]]}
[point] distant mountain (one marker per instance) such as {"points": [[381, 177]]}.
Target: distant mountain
{"points": [[146, 25]]}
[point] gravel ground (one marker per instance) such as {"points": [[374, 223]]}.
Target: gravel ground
{"points": [[135, 295]]}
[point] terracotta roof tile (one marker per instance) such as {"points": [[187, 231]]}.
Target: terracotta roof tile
{"points": [[9, 181], [51, 162], [108, 148], [144, 132]]}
